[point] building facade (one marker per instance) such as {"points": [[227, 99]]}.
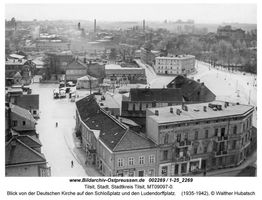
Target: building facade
{"points": [[124, 75], [110, 145], [198, 137], [176, 65]]}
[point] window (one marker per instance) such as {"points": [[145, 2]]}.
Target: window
{"points": [[206, 133], [183, 167], [165, 154], [178, 137], [164, 171], [23, 123], [196, 135], [223, 130], [120, 162], [234, 144], [131, 161], [216, 132], [142, 160], [34, 112], [235, 130], [166, 139], [195, 150], [152, 159], [14, 123], [186, 136], [205, 149]]}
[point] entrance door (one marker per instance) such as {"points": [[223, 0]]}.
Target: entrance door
{"points": [[176, 169], [203, 164], [141, 173]]}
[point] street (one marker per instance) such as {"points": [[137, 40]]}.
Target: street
{"points": [[57, 142]]}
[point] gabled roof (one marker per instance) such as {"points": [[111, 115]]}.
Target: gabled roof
{"points": [[111, 130], [132, 141], [22, 112], [76, 64], [17, 75], [86, 77], [155, 94], [192, 90], [29, 101], [17, 152], [30, 140]]}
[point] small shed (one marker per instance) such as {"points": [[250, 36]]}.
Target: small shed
{"points": [[87, 81]]}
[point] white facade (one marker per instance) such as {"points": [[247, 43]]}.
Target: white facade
{"points": [[182, 64]]}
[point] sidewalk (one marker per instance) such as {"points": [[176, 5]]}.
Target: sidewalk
{"points": [[249, 161], [81, 159]]}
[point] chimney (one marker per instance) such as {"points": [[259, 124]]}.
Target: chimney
{"points": [[156, 112], [202, 84], [171, 110], [178, 111], [204, 108], [198, 80], [95, 26], [226, 104], [185, 108]]}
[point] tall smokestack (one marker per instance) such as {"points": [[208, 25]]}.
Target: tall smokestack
{"points": [[95, 26], [144, 24]]}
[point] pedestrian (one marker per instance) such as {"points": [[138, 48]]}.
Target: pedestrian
{"points": [[56, 124], [72, 164]]}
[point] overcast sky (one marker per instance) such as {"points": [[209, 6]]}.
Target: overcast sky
{"points": [[201, 13]]}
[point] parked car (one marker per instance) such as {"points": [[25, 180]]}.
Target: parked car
{"points": [[55, 93], [62, 93]]}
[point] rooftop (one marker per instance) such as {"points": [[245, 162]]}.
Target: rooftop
{"points": [[28, 101], [115, 135], [17, 152], [155, 94], [196, 112], [118, 67], [22, 112], [192, 90], [111, 131], [15, 62], [176, 57]]}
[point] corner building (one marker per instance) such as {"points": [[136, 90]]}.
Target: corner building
{"points": [[198, 137], [175, 65]]}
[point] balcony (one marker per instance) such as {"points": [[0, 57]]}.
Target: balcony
{"points": [[221, 138], [221, 153], [181, 158], [184, 143]]}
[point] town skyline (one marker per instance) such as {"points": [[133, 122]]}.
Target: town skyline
{"points": [[246, 13]]}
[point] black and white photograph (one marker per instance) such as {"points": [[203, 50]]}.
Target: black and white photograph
{"points": [[130, 90]]}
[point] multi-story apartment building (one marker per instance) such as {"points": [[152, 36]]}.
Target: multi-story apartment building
{"points": [[110, 145], [175, 65], [199, 137]]}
